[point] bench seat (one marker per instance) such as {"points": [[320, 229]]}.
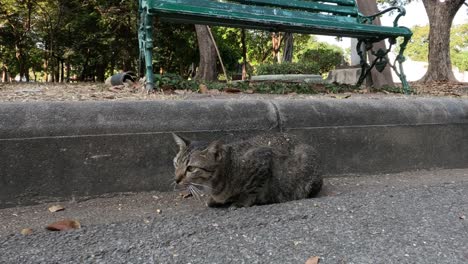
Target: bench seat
{"points": [[339, 18], [230, 14]]}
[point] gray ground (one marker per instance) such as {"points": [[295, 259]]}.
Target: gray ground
{"points": [[413, 217]]}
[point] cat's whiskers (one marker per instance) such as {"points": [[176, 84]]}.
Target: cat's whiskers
{"points": [[174, 184], [204, 186], [195, 192]]}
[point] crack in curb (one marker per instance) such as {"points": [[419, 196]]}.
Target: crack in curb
{"points": [[279, 121]]}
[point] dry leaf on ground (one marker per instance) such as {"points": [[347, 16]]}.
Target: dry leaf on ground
{"points": [[56, 208], [64, 225], [313, 260], [203, 89], [185, 194], [232, 90], [26, 231]]}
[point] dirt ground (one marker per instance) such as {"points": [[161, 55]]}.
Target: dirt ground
{"points": [[24, 92]]}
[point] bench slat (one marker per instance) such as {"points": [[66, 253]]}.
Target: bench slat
{"points": [[214, 9], [339, 2], [304, 5], [267, 18]]}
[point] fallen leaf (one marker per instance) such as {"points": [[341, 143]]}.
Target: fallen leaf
{"points": [[115, 88], [462, 217], [64, 225], [185, 194], [166, 89], [313, 260], [232, 90], [340, 97], [203, 89], [178, 91], [56, 208], [26, 231]]}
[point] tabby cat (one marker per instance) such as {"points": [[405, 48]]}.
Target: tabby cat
{"points": [[271, 168]]}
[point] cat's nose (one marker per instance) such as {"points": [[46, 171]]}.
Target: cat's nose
{"points": [[178, 180]]}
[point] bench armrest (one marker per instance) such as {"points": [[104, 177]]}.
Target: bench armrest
{"points": [[370, 19]]}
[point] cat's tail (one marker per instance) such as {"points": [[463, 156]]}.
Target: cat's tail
{"points": [[315, 187], [313, 168]]}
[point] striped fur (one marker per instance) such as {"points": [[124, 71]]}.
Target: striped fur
{"points": [[266, 169]]}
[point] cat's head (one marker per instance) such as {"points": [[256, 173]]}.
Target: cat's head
{"points": [[198, 164]]}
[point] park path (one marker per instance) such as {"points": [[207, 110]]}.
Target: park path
{"points": [[410, 217]]}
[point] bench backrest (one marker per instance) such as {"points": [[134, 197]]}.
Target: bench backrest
{"points": [[336, 7]]}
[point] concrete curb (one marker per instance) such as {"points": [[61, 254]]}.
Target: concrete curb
{"points": [[71, 150]]}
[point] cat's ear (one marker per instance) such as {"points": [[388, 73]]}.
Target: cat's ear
{"points": [[215, 148], [181, 142]]}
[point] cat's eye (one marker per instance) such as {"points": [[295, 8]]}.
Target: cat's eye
{"points": [[191, 169]]}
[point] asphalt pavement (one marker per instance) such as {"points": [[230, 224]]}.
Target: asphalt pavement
{"points": [[411, 217]]}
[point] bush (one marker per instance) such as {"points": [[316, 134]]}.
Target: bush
{"points": [[174, 81], [326, 56], [288, 68]]}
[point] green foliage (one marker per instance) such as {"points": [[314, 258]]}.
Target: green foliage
{"points": [[283, 88], [95, 39], [313, 58], [175, 81], [325, 55], [288, 68], [460, 60], [459, 46], [229, 45], [175, 48], [418, 48]]}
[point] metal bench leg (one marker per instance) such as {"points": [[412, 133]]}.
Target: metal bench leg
{"points": [[148, 49], [381, 61], [365, 68], [400, 73], [141, 47]]}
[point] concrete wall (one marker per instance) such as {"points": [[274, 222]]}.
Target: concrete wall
{"points": [[72, 150]]}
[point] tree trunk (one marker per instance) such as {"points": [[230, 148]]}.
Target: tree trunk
{"points": [[62, 74], [207, 68], [5, 74], [101, 71], [46, 67], [384, 78], [57, 70], [68, 70], [85, 67], [244, 55], [288, 47], [440, 15], [276, 44], [20, 56]]}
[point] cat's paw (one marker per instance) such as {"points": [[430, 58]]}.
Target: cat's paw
{"points": [[212, 203], [235, 206]]}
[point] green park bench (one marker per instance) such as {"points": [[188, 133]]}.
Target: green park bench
{"points": [[322, 17]]}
